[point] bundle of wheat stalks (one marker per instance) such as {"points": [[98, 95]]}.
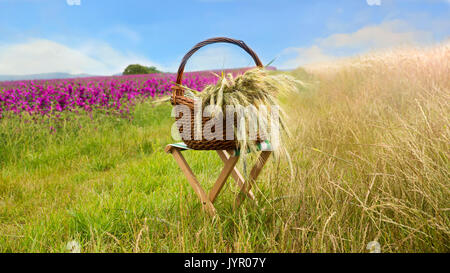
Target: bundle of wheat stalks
{"points": [[256, 87]]}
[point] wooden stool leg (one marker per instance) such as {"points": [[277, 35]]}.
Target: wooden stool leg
{"points": [[236, 174], [253, 175], [207, 204], [227, 169]]}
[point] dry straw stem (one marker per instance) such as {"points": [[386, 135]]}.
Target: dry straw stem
{"points": [[374, 135], [256, 87]]}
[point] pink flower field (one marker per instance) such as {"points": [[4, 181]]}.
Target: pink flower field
{"points": [[114, 94]]}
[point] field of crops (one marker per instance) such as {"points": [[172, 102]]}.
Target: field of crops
{"points": [[109, 94], [48, 97], [370, 149]]}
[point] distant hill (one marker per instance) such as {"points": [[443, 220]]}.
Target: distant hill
{"points": [[43, 76], [60, 75]]}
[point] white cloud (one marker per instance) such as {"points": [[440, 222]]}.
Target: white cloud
{"points": [[45, 56], [98, 58], [73, 2], [385, 35], [313, 54], [373, 2]]}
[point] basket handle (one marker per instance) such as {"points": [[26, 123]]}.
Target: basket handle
{"points": [[179, 91]]}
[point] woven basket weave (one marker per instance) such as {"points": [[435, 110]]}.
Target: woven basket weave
{"points": [[178, 98]]}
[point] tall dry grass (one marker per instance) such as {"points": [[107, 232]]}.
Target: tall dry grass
{"points": [[372, 150]]}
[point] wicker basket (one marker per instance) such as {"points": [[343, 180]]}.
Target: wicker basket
{"points": [[178, 98]]}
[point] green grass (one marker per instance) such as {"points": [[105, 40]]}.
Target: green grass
{"points": [[370, 160]]}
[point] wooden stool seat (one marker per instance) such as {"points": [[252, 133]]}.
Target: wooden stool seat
{"points": [[230, 159]]}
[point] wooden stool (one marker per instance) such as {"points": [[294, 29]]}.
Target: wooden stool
{"points": [[230, 158]]}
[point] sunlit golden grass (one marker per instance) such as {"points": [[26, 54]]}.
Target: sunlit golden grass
{"points": [[373, 134], [371, 163]]}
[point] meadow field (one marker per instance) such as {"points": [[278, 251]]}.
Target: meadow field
{"points": [[370, 147]]}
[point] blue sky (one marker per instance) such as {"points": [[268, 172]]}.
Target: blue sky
{"points": [[103, 36]]}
